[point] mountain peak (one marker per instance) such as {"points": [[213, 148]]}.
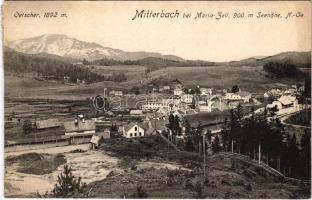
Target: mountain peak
{"points": [[62, 45]]}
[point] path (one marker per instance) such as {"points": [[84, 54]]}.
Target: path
{"points": [[284, 117], [264, 166], [50, 150]]}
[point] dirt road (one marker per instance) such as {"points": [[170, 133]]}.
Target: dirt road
{"points": [[89, 165]]}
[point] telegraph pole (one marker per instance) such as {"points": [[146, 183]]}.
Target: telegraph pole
{"points": [[204, 152], [168, 142], [259, 152], [36, 135]]}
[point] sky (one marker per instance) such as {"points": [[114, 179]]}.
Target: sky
{"points": [[110, 24]]}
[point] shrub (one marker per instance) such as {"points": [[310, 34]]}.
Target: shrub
{"points": [[140, 192], [68, 186], [248, 187], [198, 188], [27, 127]]}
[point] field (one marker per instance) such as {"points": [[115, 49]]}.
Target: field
{"points": [[248, 78], [133, 72], [18, 110], [251, 79], [34, 163]]}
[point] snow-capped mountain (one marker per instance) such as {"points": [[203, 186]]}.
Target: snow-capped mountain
{"points": [[62, 45]]}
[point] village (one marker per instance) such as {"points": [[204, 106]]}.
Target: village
{"points": [[114, 100], [151, 115], [173, 118]]}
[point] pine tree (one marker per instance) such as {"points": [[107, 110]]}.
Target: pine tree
{"points": [[235, 89], [189, 146], [306, 154], [197, 138], [293, 155], [171, 123], [225, 135], [68, 186], [177, 128], [187, 127], [216, 145]]}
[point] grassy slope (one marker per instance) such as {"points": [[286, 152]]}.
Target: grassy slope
{"points": [[34, 163], [227, 177], [248, 78]]}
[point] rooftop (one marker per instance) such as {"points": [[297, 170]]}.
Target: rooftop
{"points": [[86, 125], [49, 123]]}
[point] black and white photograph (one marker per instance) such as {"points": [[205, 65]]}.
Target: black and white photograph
{"points": [[157, 99]]}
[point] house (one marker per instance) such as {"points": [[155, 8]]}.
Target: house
{"points": [[191, 112], [157, 124], [165, 104], [98, 137], [238, 96], [201, 102], [104, 134], [166, 87], [205, 91], [178, 91], [162, 111], [177, 85], [233, 104], [155, 106], [50, 124], [133, 129], [204, 108], [284, 102], [273, 93], [187, 98], [245, 96], [79, 126], [232, 96], [115, 93], [136, 112], [290, 92], [95, 141]]}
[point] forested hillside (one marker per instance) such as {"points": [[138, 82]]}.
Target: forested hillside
{"points": [[151, 62], [283, 70], [51, 67]]}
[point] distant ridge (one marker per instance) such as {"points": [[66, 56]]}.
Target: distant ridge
{"points": [[300, 59], [69, 49], [65, 46]]}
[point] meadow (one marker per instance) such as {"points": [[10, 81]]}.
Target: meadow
{"points": [[252, 79]]}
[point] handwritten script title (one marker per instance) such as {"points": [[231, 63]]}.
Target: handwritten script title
{"points": [[175, 14]]}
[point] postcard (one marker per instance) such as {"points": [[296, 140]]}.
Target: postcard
{"points": [[157, 99]]}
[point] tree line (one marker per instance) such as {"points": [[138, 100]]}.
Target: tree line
{"points": [[57, 69], [256, 137], [282, 70], [152, 62]]}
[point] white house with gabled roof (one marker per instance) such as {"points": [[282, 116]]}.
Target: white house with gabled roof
{"points": [[133, 129]]}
